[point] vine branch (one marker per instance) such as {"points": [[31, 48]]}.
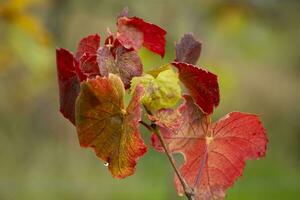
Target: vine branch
{"points": [[189, 193]]}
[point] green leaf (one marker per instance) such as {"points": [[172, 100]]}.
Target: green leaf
{"points": [[161, 92]]}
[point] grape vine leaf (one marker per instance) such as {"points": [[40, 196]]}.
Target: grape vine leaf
{"points": [[215, 153], [88, 45], [87, 56], [68, 83], [202, 85], [161, 92], [188, 49], [88, 66], [168, 118], [126, 63], [134, 32], [105, 125]]}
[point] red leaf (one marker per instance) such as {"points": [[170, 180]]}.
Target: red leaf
{"points": [[81, 76], [88, 65], [189, 114], [126, 63], [68, 83], [188, 49], [104, 124], [215, 154], [134, 33], [166, 118], [89, 45], [202, 85]]}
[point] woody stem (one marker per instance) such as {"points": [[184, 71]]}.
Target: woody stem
{"points": [[188, 191]]}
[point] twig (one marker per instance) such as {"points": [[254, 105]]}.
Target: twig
{"points": [[146, 125], [189, 193]]}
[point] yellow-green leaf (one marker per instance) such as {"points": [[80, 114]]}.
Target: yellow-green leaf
{"points": [[161, 92]]}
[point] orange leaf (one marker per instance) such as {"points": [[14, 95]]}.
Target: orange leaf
{"points": [[106, 126]]}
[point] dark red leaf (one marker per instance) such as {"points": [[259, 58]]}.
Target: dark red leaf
{"points": [[188, 49], [202, 85], [68, 83], [88, 65], [134, 33], [89, 45], [81, 76]]}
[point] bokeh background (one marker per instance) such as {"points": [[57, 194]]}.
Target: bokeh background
{"points": [[252, 45]]}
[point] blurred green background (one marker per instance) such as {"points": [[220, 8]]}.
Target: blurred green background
{"points": [[252, 45]]}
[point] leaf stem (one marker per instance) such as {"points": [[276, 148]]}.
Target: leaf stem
{"points": [[146, 125], [189, 193]]}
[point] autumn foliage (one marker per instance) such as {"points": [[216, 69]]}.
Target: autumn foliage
{"points": [[92, 87]]}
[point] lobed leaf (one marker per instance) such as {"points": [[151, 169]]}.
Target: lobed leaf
{"points": [[215, 154], [202, 85], [105, 125]]}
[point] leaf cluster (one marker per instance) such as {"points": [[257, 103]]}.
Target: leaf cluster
{"points": [[92, 85]]}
